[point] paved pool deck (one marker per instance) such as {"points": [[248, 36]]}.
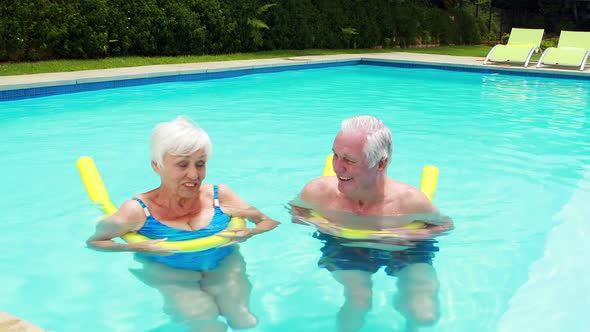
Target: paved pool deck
{"points": [[17, 82], [9, 323]]}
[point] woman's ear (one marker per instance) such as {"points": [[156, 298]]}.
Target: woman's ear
{"points": [[155, 167]]}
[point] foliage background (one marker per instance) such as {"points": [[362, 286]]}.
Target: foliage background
{"points": [[32, 30]]}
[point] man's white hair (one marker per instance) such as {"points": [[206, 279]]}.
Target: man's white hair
{"points": [[179, 137], [379, 143]]}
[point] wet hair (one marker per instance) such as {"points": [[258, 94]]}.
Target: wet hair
{"points": [[179, 137], [379, 143]]}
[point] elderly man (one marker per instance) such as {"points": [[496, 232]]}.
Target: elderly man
{"points": [[362, 152]]}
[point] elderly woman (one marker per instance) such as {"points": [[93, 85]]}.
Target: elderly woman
{"points": [[197, 286]]}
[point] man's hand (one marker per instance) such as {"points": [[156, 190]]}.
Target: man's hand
{"points": [[415, 234]]}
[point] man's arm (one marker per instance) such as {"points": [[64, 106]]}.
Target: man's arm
{"points": [[315, 191], [314, 194], [417, 203]]}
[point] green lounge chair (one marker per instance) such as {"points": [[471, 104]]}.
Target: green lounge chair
{"points": [[520, 47], [573, 49]]}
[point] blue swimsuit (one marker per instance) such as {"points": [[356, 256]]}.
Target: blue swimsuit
{"points": [[197, 261]]}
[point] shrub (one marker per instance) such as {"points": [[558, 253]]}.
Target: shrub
{"points": [[45, 29]]}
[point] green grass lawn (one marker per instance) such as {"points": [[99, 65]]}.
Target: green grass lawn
{"points": [[74, 65]]}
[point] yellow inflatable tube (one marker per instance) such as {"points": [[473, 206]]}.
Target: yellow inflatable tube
{"points": [[428, 184], [98, 194]]}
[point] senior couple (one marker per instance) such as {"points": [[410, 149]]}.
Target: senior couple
{"points": [[198, 287]]}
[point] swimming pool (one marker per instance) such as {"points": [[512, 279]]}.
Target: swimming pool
{"points": [[513, 154]]}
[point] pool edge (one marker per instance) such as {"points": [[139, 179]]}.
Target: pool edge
{"points": [[39, 85]]}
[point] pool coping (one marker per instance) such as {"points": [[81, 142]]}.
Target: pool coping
{"points": [[37, 85], [9, 322]]}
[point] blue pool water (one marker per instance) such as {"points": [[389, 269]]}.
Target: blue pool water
{"points": [[513, 152]]}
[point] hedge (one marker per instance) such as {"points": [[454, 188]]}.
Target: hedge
{"points": [[33, 30]]}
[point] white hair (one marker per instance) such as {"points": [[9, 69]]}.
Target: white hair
{"points": [[379, 143], [179, 137]]}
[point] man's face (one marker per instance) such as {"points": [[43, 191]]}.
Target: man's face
{"points": [[350, 164]]}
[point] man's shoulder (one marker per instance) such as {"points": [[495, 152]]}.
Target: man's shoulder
{"points": [[410, 198], [322, 184], [322, 181], [319, 188], [401, 188]]}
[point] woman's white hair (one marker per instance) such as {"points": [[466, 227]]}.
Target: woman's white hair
{"points": [[379, 143], [179, 137]]}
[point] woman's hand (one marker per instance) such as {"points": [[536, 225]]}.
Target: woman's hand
{"points": [[237, 235], [151, 247]]}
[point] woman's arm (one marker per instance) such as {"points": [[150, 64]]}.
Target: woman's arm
{"points": [[129, 218], [237, 207]]}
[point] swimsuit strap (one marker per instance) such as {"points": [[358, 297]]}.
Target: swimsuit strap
{"points": [[144, 206], [215, 196], [215, 201]]}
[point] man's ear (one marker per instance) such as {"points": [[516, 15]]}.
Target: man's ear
{"points": [[382, 164]]}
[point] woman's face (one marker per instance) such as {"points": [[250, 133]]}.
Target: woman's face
{"points": [[183, 175]]}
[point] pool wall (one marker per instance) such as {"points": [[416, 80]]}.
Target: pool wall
{"points": [[15, 87]]}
